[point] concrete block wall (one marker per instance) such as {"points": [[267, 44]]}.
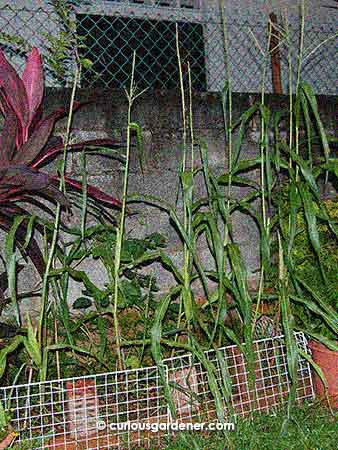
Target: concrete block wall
{"points": [[159, 114]]}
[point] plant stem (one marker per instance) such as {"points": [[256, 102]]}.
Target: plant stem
{"points": [[227, 119], [84, 194], [186, 296], [121, 228], [287, 33], [191, 122], [299, 71], [45, 286]]}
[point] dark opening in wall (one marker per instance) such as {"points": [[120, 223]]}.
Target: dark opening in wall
{"points": [[110, 42]]}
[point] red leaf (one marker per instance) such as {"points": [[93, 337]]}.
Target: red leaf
{"points": [[95, 192], [14, 89], [6, 110], [31, 149], [33, 81], [51, 152], [8, 137], [24, 179]]}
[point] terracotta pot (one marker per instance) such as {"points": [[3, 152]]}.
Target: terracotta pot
{"points": [[327, 360]]}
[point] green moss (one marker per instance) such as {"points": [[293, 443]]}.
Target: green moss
{"points": [[310, 267]]}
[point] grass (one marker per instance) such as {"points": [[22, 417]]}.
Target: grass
{"points": [[312, 428]]}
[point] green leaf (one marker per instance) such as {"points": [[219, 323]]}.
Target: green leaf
{"points": [[132, 249], [311, 96], [307, 124], [32, 345], [30, 230], [332, 166], [15, 343], [81, 276], [12, 285], [290, 342], [324, 305], [155, 240], [212, 379], [10, 238], [288, 325], [131, 292], [187, 297], [294, 202], [242, 122], [316, 367], [330, 319], [237, 181], [240, 273], [82, 303], [243, 166], [311, 219], [132, 362], [86, 63], [3, 418], [329, 343], [304, 168], [104, 250], [156, 334]]}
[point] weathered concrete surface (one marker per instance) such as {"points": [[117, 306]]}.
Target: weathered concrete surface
{"points": [[160, 116]]}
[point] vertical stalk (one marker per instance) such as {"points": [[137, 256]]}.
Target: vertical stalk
{"points": [[121, 229], [50, 258], [289, 57], [301, 44], [227, 118], [191, 123], [275, 56], [186, 220], [84, 194], [263, 144], [184, 108], [299, 71], [263, 156]]}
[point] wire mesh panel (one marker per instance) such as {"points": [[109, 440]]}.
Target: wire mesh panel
{"points": [[82, 411], [110, 31], [91, 412], [191, 389]]}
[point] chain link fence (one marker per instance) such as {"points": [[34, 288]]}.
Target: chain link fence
{"points": [[110, 31]]}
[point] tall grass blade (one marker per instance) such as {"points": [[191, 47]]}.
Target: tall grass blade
{"points": [[311, 97], [156, 334]]}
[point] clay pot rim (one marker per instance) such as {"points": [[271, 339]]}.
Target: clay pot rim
{"points": [[318, 346]]}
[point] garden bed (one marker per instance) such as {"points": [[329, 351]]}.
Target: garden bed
{"points": [[63, 414]]}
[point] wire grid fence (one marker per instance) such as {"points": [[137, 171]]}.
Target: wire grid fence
{"points": [[110, 31], [77, 413]]}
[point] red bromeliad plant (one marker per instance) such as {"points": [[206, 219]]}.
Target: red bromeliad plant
{"points": [[26, 145]]}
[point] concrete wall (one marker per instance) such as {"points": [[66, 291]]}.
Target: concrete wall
{"points": [[159, 114]]}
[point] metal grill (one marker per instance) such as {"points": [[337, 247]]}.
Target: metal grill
{"points": [[110, 31], [63, 413]]}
